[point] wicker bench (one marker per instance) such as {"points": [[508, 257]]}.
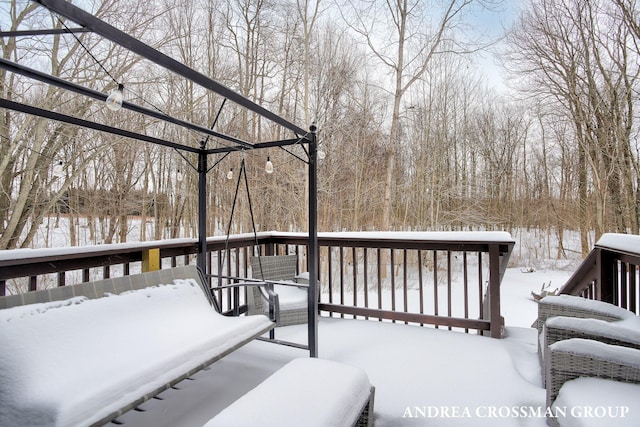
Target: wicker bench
{"points": [[87, 353], [305, 392]]}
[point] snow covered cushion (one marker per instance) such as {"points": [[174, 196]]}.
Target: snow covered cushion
{"points": [[290, 298], [305, 392], [73, 362], [593, 308], [585, 402], [622, 331]]}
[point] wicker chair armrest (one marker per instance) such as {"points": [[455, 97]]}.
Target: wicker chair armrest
{"points": [[271, 298], [290, 283], [266, 293], [577, 357], [573, 306], [562, 328]]}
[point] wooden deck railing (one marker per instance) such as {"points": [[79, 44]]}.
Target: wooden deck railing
{"points": [[611, 272], [449, 280]]}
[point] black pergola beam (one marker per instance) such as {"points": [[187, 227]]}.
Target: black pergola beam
{"points": [[49, 79], [109, 32], [52, 115], [53, 31], [260, 145]]}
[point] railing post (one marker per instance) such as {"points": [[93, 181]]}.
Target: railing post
{"points": [[150, 260], [606, 275], [494, 291]]}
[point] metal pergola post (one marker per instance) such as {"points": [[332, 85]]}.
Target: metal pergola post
{"points": [[313, 246], [202, 208]]}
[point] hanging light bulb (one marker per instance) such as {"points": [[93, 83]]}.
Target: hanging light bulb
{"points": [[179, 176], [58, 170], [230, 174], [268, 167], [115, 98], [321, 155]]}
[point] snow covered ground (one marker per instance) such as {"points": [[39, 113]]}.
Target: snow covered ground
{"points": [[422, 376]]}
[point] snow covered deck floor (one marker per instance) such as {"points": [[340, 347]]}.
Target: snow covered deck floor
{"points": [[468, 376], [412, 368]]}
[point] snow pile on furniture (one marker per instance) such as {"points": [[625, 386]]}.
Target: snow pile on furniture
{"points": [[73, 362]]}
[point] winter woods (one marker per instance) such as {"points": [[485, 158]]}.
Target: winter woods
{"points": [[416, 134]]}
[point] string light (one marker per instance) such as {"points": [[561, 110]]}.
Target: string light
{"points": [[115, 99], [268, 167], [230, 174], [179, 176]]}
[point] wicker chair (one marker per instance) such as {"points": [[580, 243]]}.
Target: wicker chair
{"points": [[563, 317], [575, 358], [292, 299]]}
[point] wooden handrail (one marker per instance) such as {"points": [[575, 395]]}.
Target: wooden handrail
{"points": [[610, 272]]}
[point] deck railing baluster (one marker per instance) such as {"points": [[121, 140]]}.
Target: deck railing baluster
{"points": [[465, 284], [623, 288], [480, 287], [633, 285], [365, 276], [420, 284], [354, 270], [341, 257], [330, 274], [405, 285], [449, 284], [379, 277], [392, 261], [435, 284]]}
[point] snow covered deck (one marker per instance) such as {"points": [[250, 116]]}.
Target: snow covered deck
{"points": [[412, 369], [422, 376]]}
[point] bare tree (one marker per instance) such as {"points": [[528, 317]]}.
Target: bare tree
{"points": [[570, 59], [400, 36]]}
